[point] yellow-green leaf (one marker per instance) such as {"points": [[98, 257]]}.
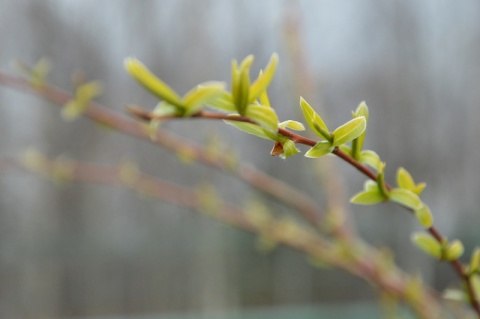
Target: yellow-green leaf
{"points": [[314, 120], [368, 197], [349, 131], [424, 216], [346, 149], [320, 149], [250, 128], [453, 250], [370, 158], [357, 144], [475, 261], [406, 198], [152, 83], [264, 116], [289, 149], [294, 125], [224, 102], [200, 96], [428, 244], [404, 179], [263, 81], [264, 100]]}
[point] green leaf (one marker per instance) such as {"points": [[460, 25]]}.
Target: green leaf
{"points": [[39, 73], [241, 99], [475, 261], [370, 185], [320, 149], [424, 216], [368, 197], [200, 96], [428, 244], [419, 188], [349, 131], [250, 128], [314, 120], [224, 102], [264, 100], [165, 109], [264, 116], [153, 84], [72, 110], [357, 144], [289, 149], [453, 250], [370, 158], [405, 180], [362, 110], [346, 149], [406, 198], [381, 181], [86, 92], [294, 125], [263, 81]]}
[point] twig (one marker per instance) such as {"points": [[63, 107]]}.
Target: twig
{"points": [[101, 114], [366, 265]]}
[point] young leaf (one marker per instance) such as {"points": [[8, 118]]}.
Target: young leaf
{"points": [[200, 96], [428, 244], [370, 158], [453, 250], [357, 144], [406, 198], [241, 99], [405, 180], [346, 149], [264, 100], [165, 109], [224, 102], [381, 181], [263, 81], [149, 81], [39, 73], [251, 129], [294, 125], [264, 116], [320, 149], [72, 109], [349, 131], [369, 185], [368, 197], [424, 216], [475, 261], [289, 149], [314, 120]]}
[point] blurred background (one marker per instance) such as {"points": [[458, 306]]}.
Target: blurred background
{"points": [[89, 251]]}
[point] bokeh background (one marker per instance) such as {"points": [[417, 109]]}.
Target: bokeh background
{"points": [[89, 251]]}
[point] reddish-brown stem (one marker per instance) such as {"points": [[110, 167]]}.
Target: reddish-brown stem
{"points": [[456, 264], [261, 181], [99, 114], [364, 265]]}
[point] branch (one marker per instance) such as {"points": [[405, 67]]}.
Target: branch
{"points": [[299, 139], [357, 259], [101, 114]]}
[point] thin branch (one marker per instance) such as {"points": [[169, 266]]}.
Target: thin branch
{"points": [[299, 139], [254, 177], [367, 264], [125, 125]]}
